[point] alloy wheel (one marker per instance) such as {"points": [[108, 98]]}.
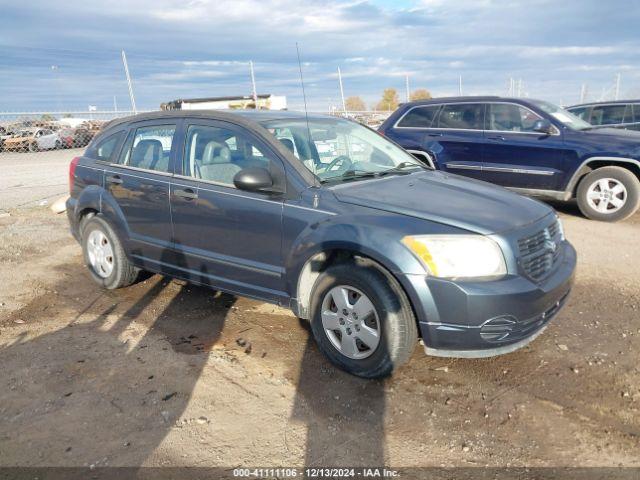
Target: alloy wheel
{"points": [[350, 322], [607, 195]]}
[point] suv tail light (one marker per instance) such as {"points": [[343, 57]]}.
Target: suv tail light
{"points": [[72, 172]]}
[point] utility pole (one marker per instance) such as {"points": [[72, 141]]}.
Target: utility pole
{"points": [[617, 90], [115, 104], [583, 93], [126, 72], [344, 105], [254, 92], [460, 85], [406, 80]]}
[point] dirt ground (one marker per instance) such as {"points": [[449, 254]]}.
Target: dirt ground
{"points": [[154, 374]]}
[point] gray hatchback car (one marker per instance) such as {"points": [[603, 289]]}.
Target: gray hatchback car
{"points": [[326, 217]]}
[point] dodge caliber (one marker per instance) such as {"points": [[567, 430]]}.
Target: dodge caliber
{"points": [[328, 218]]}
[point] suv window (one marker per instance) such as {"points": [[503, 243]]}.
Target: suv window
{"points": [[607, 114], [419, 117], [149, 148], [467, 116], [105, 148], [216, 154], [580, 112], [508, 117]]}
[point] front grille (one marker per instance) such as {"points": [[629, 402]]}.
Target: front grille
{"points": [[540, 252]]}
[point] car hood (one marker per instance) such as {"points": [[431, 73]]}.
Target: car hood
{"points": [[615, 140], [445, 198]]}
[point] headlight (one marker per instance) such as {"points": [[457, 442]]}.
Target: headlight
{"points": [[458, 255]]}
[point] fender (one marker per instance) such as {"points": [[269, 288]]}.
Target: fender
{"points": [[112, 212], [584, 168], [89, 198], [382, 246], [96, 198]]}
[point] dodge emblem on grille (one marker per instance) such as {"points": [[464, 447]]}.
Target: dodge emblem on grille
{"points": [[550, 245]]}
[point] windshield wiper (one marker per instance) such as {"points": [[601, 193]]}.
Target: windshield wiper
{"points": [[403, 165]]}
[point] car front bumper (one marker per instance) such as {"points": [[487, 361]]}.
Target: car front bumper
{"points": [[473, 319]]}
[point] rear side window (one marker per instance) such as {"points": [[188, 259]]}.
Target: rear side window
{"points": [[467, 116], [419, 117], [608, 114], [149, 148], [105, 148]]}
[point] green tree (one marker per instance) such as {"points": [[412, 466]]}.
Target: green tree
{"points": [[389, 100], [420, 94], [355, 104], [47, 118]]}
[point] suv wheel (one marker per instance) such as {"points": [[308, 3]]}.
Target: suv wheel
{"points": [[609, 194], [362, 320], [33, 147], [104, 255]]}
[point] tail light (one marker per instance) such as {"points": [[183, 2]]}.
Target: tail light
{"points": [[72, 172]]}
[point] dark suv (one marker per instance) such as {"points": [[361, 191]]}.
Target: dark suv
{"points": [[530, 146], [614, 114], [326, 217]]}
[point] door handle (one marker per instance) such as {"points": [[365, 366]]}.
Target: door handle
{"points": [[115, 179], [434, 134], [497, 137], [187, 194]]}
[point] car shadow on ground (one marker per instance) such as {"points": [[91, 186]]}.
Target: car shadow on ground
{"points": [[96, 372]]}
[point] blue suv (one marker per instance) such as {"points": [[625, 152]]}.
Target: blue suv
{"points": [[326, 217], [530, 146]]}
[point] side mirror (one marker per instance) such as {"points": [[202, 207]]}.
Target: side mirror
{"points": [[255, 179], [543, 126]]}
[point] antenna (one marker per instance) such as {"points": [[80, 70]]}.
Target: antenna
{"points": [[304, 97]]}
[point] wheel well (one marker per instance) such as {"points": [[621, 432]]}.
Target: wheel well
{"points": [[595, 164], [323, 260], [85, 215]]}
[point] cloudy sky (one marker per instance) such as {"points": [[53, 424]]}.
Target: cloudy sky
{"points": [[66, 55]]}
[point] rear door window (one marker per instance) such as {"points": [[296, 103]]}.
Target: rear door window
{"points": [[105, 148], [608, 114], [419, 117], [461, 116], [149, 148]]}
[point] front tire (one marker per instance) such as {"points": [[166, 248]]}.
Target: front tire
{"points": [[609, 194], [362, 320], [104, 255]]}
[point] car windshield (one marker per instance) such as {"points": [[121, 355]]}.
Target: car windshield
{"points": [[565, 117], [337, 149]]}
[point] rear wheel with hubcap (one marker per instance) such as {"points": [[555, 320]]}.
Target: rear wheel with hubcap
{"points": [[104, 255], [362, 320], [609, 194]]}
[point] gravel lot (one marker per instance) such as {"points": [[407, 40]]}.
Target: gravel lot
{"points": [[153, 374]]}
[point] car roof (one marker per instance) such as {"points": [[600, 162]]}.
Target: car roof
{"points": [[478, 98], [247, 115], [610, 102]]}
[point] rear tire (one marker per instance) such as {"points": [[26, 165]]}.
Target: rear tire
{"points": [[390, 316], [609, 194], [104, 256]]}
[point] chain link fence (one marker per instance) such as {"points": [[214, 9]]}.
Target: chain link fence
{"points": [[31, 132], [34, 132]]}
